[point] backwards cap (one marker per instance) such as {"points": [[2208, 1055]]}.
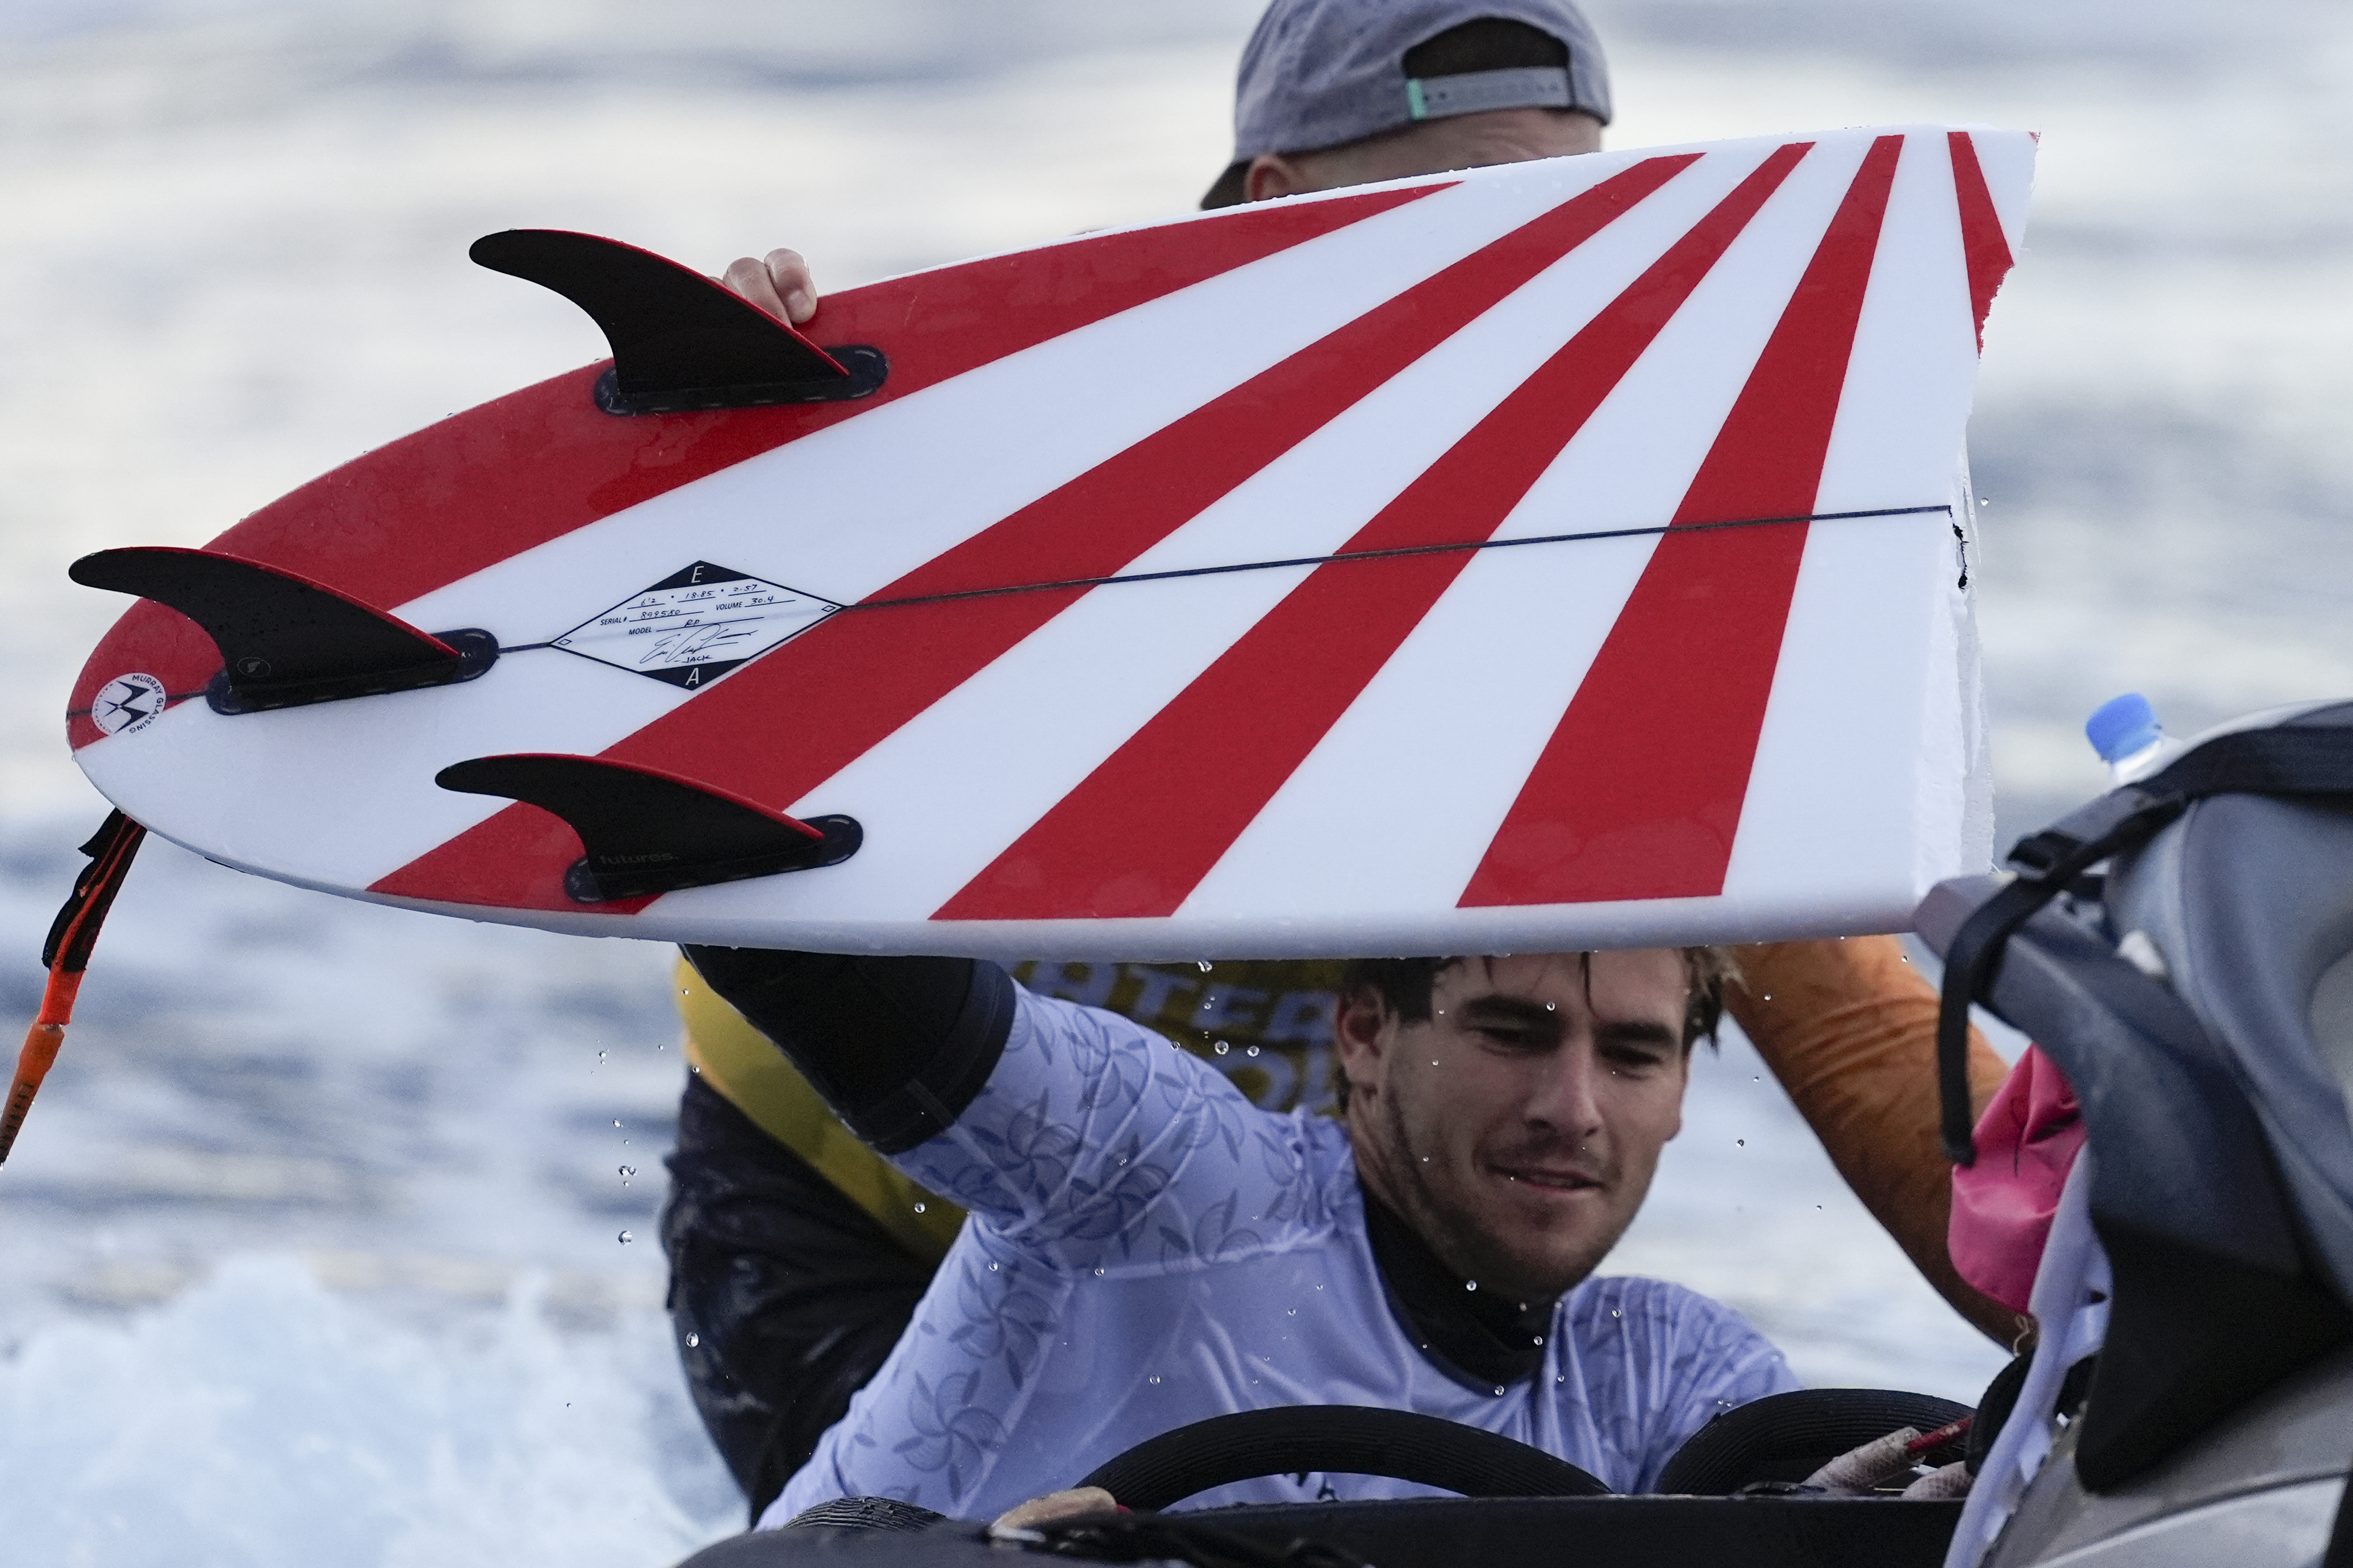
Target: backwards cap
{"points": [[1317, 73]]}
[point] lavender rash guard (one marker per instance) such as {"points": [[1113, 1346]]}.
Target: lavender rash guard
{"points": [[1146, 1249]]}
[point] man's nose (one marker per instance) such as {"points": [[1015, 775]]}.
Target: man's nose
{"points": [[1567, 1095]]}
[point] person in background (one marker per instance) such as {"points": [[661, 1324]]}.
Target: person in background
{"points": [[798, 1255]]}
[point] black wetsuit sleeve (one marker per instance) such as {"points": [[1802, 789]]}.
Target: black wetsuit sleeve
{"points": [[898, 1047]]}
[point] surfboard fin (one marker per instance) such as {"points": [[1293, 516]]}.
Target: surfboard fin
{"points": [[680, 341], [648, 832], [285, 640]]}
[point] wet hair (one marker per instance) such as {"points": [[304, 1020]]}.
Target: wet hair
{"points": [[1404, 987]]}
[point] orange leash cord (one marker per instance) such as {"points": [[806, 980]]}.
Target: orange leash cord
{"points": [[67, 955]]}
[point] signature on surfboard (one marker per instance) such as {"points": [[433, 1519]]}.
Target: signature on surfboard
{"points": [[694, 644], [696, 624]]}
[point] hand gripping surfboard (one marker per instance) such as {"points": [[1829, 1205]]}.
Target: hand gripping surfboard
{"points": [[1565, 554]]}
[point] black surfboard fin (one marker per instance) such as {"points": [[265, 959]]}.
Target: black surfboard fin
{"points": [[680, 341], [650, 832], [285, 640]]}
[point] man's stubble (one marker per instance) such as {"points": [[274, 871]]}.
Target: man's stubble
{"points": [[1464, 1239]]}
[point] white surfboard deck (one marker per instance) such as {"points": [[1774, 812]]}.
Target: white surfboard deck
{"points": [[1561, 556]]}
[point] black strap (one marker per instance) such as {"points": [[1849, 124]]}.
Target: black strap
{"points": [[2307, 761], [75, 930]]}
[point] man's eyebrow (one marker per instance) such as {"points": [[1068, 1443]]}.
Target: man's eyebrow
{"points": [[1637, 1032], [1494, 1009], [1524, 1014]]}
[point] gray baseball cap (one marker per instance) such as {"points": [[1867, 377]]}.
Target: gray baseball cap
{"points": [[1317, 73]]}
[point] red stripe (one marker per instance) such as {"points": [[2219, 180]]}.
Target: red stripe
{"points": [[824, 698], [479, 486], [1984, 245], [1145, 828], [1637, 793]]}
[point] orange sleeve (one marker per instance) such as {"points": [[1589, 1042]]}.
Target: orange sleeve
{"points": [[1850, 1028]]}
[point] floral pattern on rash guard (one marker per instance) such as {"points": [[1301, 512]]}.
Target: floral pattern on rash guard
{"points": [[1148, 1250]]}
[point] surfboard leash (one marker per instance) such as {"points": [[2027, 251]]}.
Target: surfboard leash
{"points": [[66, 954]]}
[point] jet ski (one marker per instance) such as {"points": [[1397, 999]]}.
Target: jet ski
{"points": [[2182, 949]]}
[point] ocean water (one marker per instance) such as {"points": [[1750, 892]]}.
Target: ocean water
{"points": [[314, 1250]]}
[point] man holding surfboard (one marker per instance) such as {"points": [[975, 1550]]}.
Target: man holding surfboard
{"points": [[795, 1264], [1149, 1250]]}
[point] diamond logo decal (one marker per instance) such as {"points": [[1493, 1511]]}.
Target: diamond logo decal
{"points": [[696, 625]]}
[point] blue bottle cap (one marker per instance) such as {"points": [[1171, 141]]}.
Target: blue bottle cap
{"points": [[2122, 726]]}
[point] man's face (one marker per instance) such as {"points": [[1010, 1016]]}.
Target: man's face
{"points": [[1518, 1126]]}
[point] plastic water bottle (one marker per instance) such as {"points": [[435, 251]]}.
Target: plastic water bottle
{"points": [[2126, 734]]}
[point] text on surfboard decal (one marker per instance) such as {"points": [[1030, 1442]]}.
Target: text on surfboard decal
{"points": [[696, 625]]}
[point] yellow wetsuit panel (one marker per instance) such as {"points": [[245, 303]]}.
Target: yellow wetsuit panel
{"points": [[737, 1060]]}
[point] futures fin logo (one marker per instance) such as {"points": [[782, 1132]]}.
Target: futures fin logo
{"points": [[127, 704], [696, 625]]}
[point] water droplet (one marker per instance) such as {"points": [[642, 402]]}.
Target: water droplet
{"points": [[600, 1056], [1768, 995], [1499, 1391], [1223, 1047], [1098, 1273], [1616, 1313], [617, 1121], [627, 1170], [1204, 963], [1291, 1312], [1740, 1142], [1470, 1284], [1552, 1006], [1539, 1338], [919, 1208], [1154, 1380], [693, 1341], [1252, 1052], [627, 1238], [992, 1268]]}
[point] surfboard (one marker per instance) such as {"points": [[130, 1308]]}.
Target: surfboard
{"points": [[1564, 554]]}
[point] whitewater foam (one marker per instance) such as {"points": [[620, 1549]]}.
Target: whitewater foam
{"points": [[260, 1418]]}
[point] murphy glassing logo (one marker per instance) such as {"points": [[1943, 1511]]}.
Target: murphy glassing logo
{"points": [[127, 704]]}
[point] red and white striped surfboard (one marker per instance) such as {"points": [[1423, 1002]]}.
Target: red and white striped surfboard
{"points": [[1559, 556]]}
